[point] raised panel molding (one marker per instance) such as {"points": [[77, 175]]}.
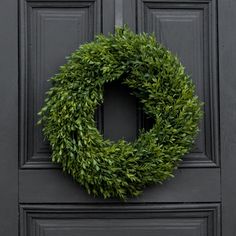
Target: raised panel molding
{"points": [[136, 219], [79, 21], [49, 31], [188, 28]]}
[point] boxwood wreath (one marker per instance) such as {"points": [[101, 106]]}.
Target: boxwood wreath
{"points": [[156, 77]]}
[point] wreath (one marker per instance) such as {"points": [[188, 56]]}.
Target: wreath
{"points": [[156, 77]]}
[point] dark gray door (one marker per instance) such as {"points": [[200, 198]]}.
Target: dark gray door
{"points": [[36, 198]]}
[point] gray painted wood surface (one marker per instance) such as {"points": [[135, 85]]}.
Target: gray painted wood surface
{"points": [[8, 118], [200, 200], [227, 75]]}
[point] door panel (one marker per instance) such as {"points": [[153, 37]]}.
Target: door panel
{"points": [[189, 30], [150, 220], [50, 31]]}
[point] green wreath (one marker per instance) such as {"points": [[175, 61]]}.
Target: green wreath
{"points": [[157, 78]]}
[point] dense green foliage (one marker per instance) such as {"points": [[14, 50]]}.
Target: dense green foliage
{"points": [[157, 78]]}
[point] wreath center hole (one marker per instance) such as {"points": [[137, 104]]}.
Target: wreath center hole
{"points": [[121, 115]]}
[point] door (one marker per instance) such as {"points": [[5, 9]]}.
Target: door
{"points": [[37, 199]]}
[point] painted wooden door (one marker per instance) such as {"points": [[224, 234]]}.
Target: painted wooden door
{"points": [[36, 198]]}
